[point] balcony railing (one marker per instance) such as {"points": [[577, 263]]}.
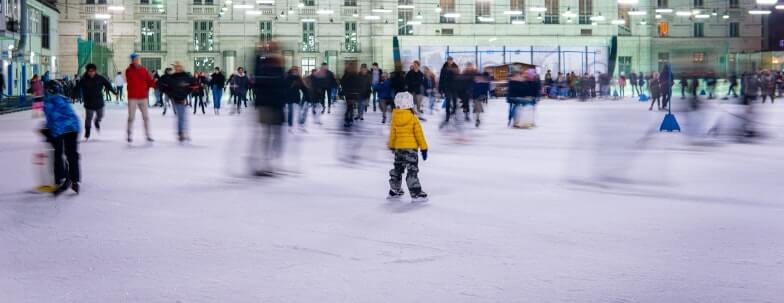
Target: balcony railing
{"points": [[94, 8], [153, 9], [349, 11], [267, 11], [146, 47], [204, 47], [309, 47], [307, 11], [351, 47], [203, 10]]}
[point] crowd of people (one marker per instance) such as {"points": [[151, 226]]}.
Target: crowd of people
{"points": [[290, 97]]}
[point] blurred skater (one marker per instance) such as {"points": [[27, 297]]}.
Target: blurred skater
{"points": [[294, 90], [481, 88], [62, 131], [365, 92], [241, 83], [415, 81], [310, 101], [386, 97], [270, 86], [353, 87], [178, 86]]}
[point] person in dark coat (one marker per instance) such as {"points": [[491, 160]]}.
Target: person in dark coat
{"points": [[294, 92], [92, 86], [398, 80], [366, 89], [665, 86], [463, 86], [634, 82], [270, 87], [415, 81], [525, 88], [178, 86], [446, 80], [199, 92], [375, 75], [324, 82], [353, 87], [309, 101], [733, 81], [217, 84], [241, 84], [165, 98]]}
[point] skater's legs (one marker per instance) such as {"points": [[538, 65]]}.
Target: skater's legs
{"points": [[396, 173], [182, 120], [303, 113], [411, 158], [349, 116], [98, 118], [145, 116], [71, 145], [217, 94], [88, 121], [131, 115], [59, 163]]}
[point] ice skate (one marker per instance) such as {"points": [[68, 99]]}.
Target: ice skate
{"points": [[62, 188], [395, 195], [420, 197]]}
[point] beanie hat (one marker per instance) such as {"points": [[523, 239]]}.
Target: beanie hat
{"points": [[404, 100]]}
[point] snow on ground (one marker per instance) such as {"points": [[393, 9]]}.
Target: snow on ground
{"points": [[514, 215]]}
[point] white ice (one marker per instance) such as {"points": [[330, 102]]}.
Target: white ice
{"points": [[582, 208]]}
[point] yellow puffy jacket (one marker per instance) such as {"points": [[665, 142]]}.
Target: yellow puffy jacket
{"points": [[405, 131]]}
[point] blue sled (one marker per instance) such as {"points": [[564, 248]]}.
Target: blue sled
{"points": [[670, 124]]}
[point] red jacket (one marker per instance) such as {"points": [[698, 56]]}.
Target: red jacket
{"points": [[139, 82]]}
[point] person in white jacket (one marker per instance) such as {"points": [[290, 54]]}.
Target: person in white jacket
{"points": [[119, 83]]}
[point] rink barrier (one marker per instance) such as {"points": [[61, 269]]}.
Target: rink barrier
{"points": [[14, 104]]}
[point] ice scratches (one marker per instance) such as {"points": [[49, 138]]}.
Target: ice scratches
{"points": [[466, 294], [416, 260], [395, 243], [310, 250], [640, 192]]}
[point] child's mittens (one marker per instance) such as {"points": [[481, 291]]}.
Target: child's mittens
{"points": [[424, 155]]}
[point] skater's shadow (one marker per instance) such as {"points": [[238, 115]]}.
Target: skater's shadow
{"points": [[399, 207]]}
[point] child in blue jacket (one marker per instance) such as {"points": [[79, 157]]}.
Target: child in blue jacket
{"points": [[62, 131], [386, 95]]}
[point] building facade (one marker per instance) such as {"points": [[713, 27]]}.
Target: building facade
{"points": [[39, 54], [559, 35]]}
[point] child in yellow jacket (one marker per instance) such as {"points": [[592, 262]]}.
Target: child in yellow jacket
{"points": [[406, 140]]}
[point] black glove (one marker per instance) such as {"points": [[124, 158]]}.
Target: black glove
{"points": [[424, 155]]}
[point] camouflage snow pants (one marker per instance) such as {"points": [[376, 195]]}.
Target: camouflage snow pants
{"points": [[405, 160]]}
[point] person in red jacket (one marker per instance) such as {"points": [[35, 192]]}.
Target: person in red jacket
{"points": [[139, 83]]}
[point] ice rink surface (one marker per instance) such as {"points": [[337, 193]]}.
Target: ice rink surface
{"points": [[590, 206]]}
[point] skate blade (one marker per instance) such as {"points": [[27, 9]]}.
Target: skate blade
{"points": [[419, 200], [45, 189]]}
